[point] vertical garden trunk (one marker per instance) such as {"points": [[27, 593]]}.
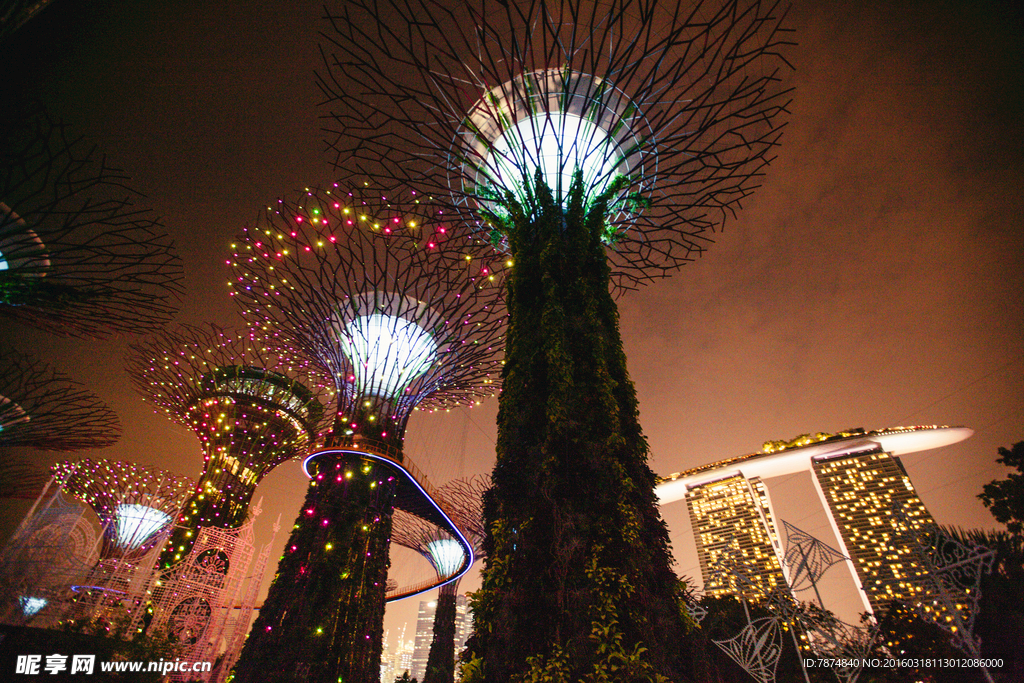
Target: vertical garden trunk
{"points": [[578, 575], [323, 619], [441, 660]]}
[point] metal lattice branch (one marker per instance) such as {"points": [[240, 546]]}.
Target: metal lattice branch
{"points": [[675, 110], [252, 402], [135, 504], [831, 638], [350, 279], [77, 256], [807, 558], [464, 499], [430, 541], [20, 478], [42, 408], [778, 599]]}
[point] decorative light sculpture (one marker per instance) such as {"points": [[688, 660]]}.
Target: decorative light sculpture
{"points": [[42, 408], [253, 404], [136, 505], [77, 257], [664, 115], [402, 316], [464, 498]]}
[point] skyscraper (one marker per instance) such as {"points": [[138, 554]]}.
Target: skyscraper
{"points": [[733, 522], [861, 489], [425, 633], [872, 506]]}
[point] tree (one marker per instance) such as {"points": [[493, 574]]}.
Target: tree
{"points": [[1005, 497]]}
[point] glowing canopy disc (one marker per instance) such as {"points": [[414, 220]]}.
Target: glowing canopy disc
{"points": [[557, 121], [446, 555], [385, 337], [136, 524]]}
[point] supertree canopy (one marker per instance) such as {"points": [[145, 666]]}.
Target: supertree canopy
{"points": [[76, 255], [402, 315], [463, 497], [669, 111], [600, 142], [242, 396], [41, 407], [135, 504]]}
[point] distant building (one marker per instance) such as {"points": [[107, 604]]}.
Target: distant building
{"points": [[397, 661], [732, 520], [859, 479], [860, 489], [425, 633]]}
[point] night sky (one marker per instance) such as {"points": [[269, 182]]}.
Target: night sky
{"points": [[874, 280]]}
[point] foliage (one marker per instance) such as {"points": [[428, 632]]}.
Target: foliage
{"points": [[404, 678], [903, 635], [1005, 497], [1000, 620], [578, 583]]}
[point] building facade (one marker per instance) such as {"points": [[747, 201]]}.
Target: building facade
{"points": [[870, 502], [425, 633], [862, 491], [735, 530]]}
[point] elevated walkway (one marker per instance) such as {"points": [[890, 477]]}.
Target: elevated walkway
{"points": [[414, 495]]}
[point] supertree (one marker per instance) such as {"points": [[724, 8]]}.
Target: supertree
{"points": [[135, 504], [601, 143], [463, 497], [42, 408], [242, 396], [402, 316], [136, 507], [77, 256]]}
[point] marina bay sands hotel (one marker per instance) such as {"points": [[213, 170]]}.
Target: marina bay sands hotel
{"points": [[859, 479]]}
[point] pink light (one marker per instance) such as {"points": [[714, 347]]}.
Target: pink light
{"points": [[298, 219]]}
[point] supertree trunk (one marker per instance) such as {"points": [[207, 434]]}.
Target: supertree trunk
{"points": [[307, 629], [441, 660], [578, 564]]}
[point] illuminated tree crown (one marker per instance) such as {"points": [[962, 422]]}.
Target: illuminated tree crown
{"points": [[399, 311], [671, 110]]}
